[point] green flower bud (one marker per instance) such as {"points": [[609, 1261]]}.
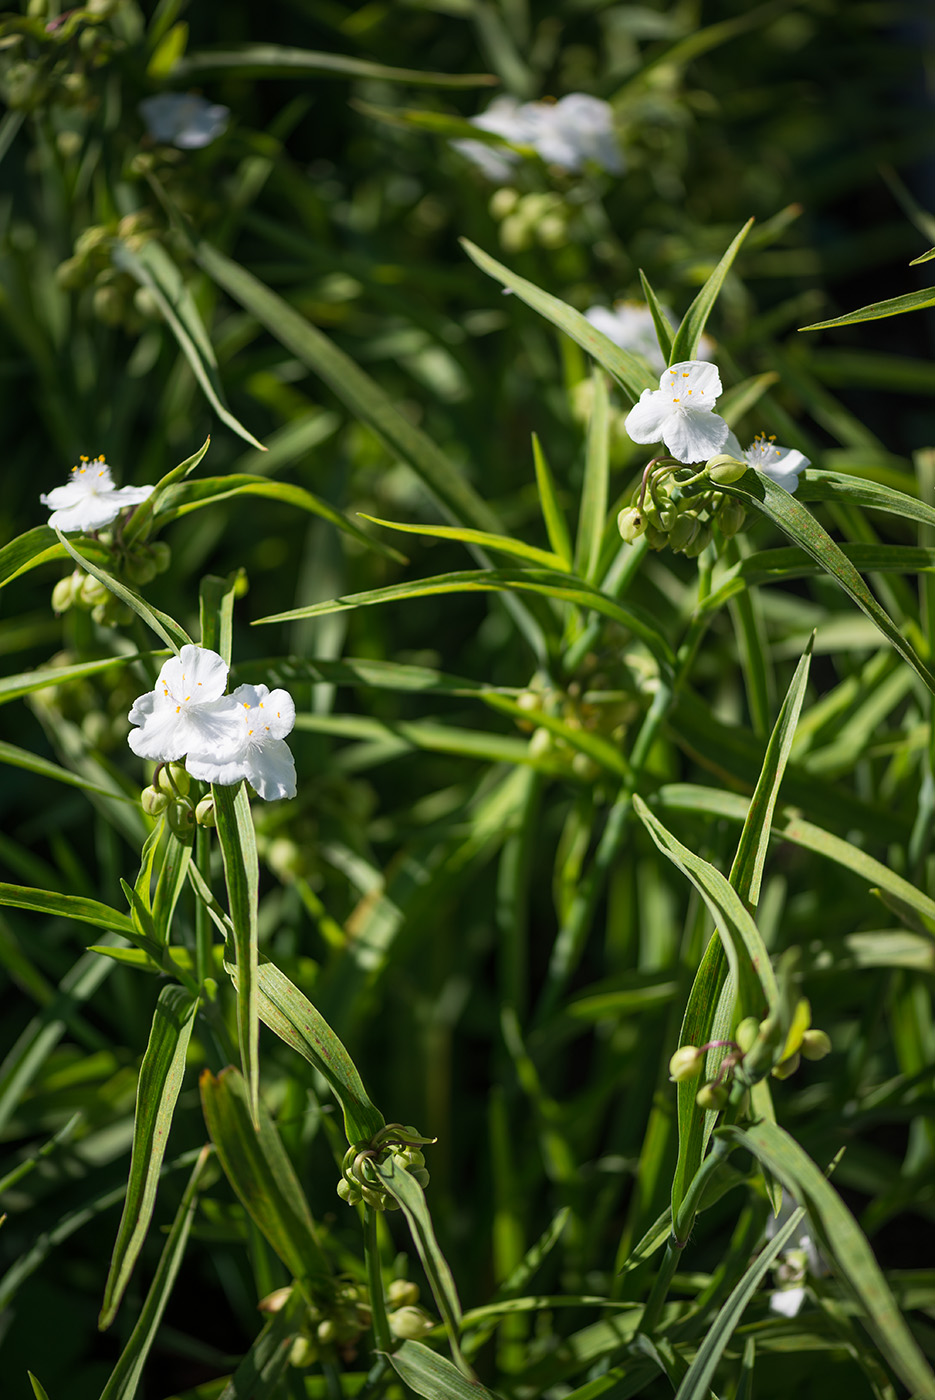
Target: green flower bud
{"points": [[420, 1175], [631, 523], [503, 202], [62, 595], [108, 305], [730, 516], [140, 568], [786, 1067], [92, 592], [686, 1063], [816, 1044], [552, 231], [303, 1352], [747, 1032], [712, 1096], [402, 1293], [656, 539], [410, 1323], [326, 1331], [71, 275], [373, 1197], [161, 555], [274, 1302], [683, 532], [205, 814], [724, 470], [700, 542], [153, 801], [174, 780], [515, 233], [348, 1193], [181, 819]]}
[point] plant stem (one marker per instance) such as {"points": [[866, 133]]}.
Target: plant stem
{"points": [[381, 1328]]}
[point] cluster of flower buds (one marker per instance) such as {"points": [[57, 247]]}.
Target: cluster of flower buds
{"points": [[759, 1048], [80, 590], [116, 298], [407, 1321], [527, 219], [359, 1182], [678, 507], [169, 795], [331, 1328]]}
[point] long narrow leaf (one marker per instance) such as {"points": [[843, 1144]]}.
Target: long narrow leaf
{"points": [[688, 336], [433, 1376], [164, 626], [241, 874]]}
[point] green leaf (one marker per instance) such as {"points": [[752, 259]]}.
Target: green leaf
{"points": [[366, 400], [127, 1374], [747, 871], [404, 1189], [592, 514], [663, 328], [43, 768], [551, 585], [157, 1093], [630, 371], [182, 499], [845, 1245], [870, 495], [163, 625], [291, 1016], [746, 953], [279, 61], [688, 336], [258, 1168], [696, 1384], [261, 1372], [152, 267], [896, 306], [801, 526], [552, 513], [67, 906], [176, 855], [241, 874], [216, 611], [38, 546], [923, 258], [433, 1376], [38, 1389], [27, 682], [139, 522], [518, 549]]}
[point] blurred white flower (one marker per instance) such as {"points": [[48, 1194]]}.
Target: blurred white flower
{"points": [[264, 758], [800, 1260], [782, 465], [680, 412], [630, 325], [183, 119], [188, 712], [89, 500], [570, 133]]}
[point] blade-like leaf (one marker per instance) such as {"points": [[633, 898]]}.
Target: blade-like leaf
{"points": [[260, 1374], [433, 1376], [552, 513], [152, 267], [14, 687], [38, 546], [157, 1093], [280, 61], [801, 526], [43, 768], [663, 328], [127, 1373], [241, 874], [846, 1246], [163, 625], [895, 306], [592, 513], [258, 1168], [630, 371], [67, 906], [518, 549], [688, 336], [139, 522]]}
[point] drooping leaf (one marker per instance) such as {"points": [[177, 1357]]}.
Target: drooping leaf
{"points": [[237, 840]]}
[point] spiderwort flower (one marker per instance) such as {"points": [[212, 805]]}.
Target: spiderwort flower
{"points": [[630, 325], [782, 465], [183, 119], [89, 500], [571, 133], [264, 758], [188, 712], [680, 412]]}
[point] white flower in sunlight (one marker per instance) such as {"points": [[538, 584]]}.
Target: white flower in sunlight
{"points": [[89, 500], [795, 1264], [183, 119], [782, 465], [680, 412], [570, 133], [264, 758], [630, 325], [188, 712]]}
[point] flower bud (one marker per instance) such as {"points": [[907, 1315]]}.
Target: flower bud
{"points": [[503, 202], [815, 1044], [724, 469], [410, 1323], [92, 592], [402, 1293], [420, 1175], [700, 542], [140, 568], [683, 532], [348, 1193], [303, 1352], [712, 1096], [686, 1063], [786, 1067], [161, 555], [274, 1302], [747, 1032], [631, 523], [205, 814], [62, 595], [656, 539], [181, 819], [326, 1331], [174, 780], [153, 801]]}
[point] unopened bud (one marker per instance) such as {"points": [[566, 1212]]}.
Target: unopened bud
{"points": [[153, 801], [402, 1293], [747, 1032], [631, 523], [686, 1063], [700, 542], [303, 1352], [274, 1302], [161, 555], [181, 819], [62, 595], [730, 516], [205, 814], [410, 1323], [786, 1067], [93, 591], [348, 1193], [656, 539], [174, 780], [724, 470], [683, 532], [420, 1175], [503, 202], [712, 1096], [815, 1045], [326, 1331]]}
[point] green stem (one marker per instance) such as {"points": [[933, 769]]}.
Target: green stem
{"points": [[382, 1336], [203, 936]]}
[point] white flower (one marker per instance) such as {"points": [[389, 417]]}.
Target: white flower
{"points": [[183, 119], [800, 1259], [781, 464], [188, 712], [630, 325], [264, 757], [680, 412], [90, 500], [571, 133]]}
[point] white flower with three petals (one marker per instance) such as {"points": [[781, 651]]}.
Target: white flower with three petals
{"points": [[188, 714], [89, 500], [783, 465], [680, 412], [264, 759]]}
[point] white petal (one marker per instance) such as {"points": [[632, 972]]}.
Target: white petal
{"points": [[698, 377], [732, 446], [279, 712], [648, 416], [215, 732], [787, 1301], [207, 770], [158, 737], [131, 495], [271, 770], [60, 497], [693, 436], [91, 513], [196, 674]]}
